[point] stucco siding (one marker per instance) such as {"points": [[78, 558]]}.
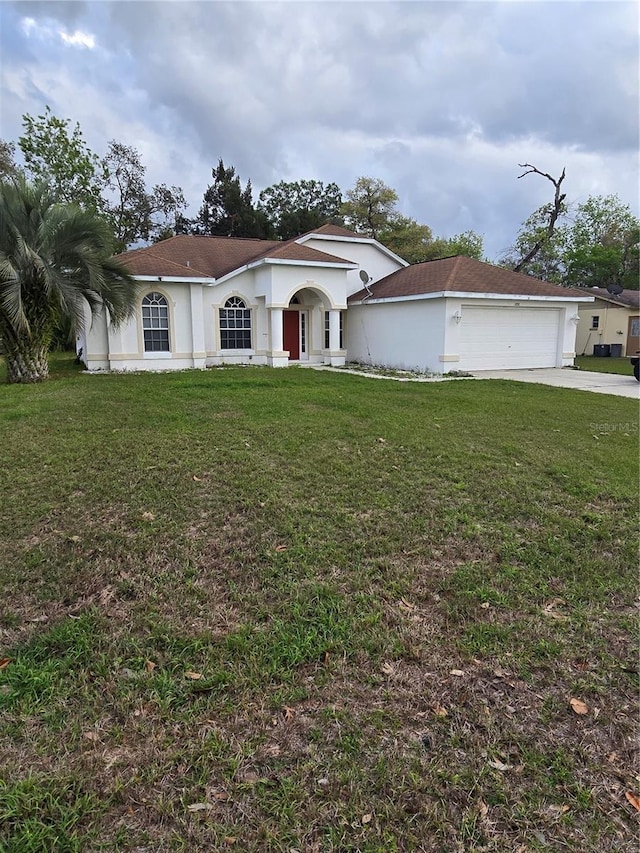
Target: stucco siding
{"points": [[371, 259], [613, 325], [401, 335], [447, 334]]}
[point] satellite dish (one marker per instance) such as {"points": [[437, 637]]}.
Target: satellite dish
{"points": [[615, 289], [365, 278]]}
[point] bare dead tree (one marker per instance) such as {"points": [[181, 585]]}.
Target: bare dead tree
{"points": [[554, 212]]}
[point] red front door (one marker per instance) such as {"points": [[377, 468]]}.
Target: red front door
{"points": [[292, 334]]}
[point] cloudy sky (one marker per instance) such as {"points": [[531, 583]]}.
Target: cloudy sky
{"points": [[441, 100]]}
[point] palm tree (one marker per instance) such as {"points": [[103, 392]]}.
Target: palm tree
{"points": [[55, 261]]}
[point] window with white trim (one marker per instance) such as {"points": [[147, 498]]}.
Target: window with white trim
{"points": [[595, 321], [235, 325], [155, 323], [326, 331]]}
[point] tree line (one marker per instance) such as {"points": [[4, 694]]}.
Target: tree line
{"points": [[114, 186], [594, 243]]}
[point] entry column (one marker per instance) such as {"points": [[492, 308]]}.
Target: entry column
{"points": [[335, 359], [277, 357], [198, 354]]}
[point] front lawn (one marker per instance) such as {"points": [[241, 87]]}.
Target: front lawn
{"points": [[276, 610], [604, 365]]}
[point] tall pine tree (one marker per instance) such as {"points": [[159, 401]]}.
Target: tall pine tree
{"points": [[227, 209]]}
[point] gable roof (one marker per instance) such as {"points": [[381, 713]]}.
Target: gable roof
{"points": [[337, 232], [333, 231], [626, 299], [458, 274], [187, 256]]}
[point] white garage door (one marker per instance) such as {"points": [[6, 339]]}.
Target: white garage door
{"points": [[503, 338]]}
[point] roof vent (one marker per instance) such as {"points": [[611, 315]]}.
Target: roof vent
{"points": [[188, 263]]}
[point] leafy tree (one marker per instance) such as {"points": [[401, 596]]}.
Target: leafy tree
{"points": [[552, 212], [468, 243], [370, 207], [597, 249], [416, 243], [546, 262], [8, 165], [135, 213], [602, 245], [167, 207], [227, 209], [406, 238], [55, 259], [296, 207], [62, 159]]}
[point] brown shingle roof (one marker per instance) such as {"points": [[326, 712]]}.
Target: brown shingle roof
{"points": [[333, 231], [292, 251], [628, 298], [212, 257], [458, 274]]}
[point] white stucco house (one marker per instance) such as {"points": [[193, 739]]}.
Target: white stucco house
{"points": [[206, 301]]}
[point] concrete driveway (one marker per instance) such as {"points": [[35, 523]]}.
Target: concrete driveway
{"points": [[600, 383]]}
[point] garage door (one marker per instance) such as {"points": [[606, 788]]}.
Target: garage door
{"points": [[504, 338]]}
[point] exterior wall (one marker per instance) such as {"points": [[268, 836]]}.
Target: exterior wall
{"points": [[369, 257], [568, 328], [194, 328], [426, 334], [95, 341], [612, 328], [126, 344], [407, 335], [279, 282], [214, 298]]}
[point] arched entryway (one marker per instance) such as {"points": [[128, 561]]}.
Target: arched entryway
{"points": [[306, 329]]}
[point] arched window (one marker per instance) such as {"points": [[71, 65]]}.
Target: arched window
{"points": [[155, 323], [235, 325]]}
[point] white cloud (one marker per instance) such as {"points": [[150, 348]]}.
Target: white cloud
{"points": [[78, 39], [48, 31], [440, 100]]}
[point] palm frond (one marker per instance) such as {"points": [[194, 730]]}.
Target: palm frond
{"points": [[55, 260]]}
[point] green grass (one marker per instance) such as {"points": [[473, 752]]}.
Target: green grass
{"points": [[331, 613], [604, 365]]}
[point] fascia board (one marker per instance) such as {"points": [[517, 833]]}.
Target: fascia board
{"points": [[284, 262], [453, 294], [367, 240], [614, 302], [526, 297], [348, 265], [170, 279]]}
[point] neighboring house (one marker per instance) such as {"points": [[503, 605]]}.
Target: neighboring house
{"points": [[207, 301], [610, 320]]}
